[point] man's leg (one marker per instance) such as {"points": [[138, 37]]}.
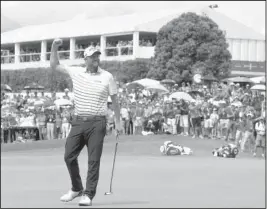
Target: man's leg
{"points": [[48, 131], [74, 144], [244, 141], [94, 137]]}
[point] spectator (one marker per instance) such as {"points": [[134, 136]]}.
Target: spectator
{"points": [[50, 124], [66, 96], [260, 128], [66, 118], [58, 121]]}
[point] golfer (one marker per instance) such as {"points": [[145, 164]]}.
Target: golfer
{"points": [[91, 87]]}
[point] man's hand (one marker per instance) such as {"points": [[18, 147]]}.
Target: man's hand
{"points": [[57, 42]]}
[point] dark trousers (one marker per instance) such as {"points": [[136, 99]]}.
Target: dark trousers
{"points": [[231, 129], [90, 133]]}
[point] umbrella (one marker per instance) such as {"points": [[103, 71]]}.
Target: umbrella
{"points": [[181, 95], [258, 87], [168, 81], [146, 82], [209, 78], [33, 86], [5, 87], [239, 80], [133, 85], [62, 102], [260, 79], [158, 88]]}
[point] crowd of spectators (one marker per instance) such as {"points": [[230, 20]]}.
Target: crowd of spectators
{"points": [[79, 49], [218, 111], [229, 113], [30, 54], [116, 48], [147, 42], [7, 56], [34, 117]]}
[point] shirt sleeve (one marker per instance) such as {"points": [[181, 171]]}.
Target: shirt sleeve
{"points": [[72, 70], [112, 86]]}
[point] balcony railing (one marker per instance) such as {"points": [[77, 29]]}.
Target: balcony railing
{"points": [[7, 59], [63, 55], [111, 51], [78, 54], [119, 51], [33, 57]]}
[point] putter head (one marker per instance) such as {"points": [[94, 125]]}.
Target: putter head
{"points": [[108, 193]]}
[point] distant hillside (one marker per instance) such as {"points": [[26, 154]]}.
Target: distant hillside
{"points": [[8, 24]]}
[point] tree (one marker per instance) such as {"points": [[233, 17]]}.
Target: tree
{"points": [[188, 43]]}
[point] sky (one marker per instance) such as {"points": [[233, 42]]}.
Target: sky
{"points": [[250, 13]]}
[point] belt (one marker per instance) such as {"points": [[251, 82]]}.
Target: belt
{"points": [[88, 118]]}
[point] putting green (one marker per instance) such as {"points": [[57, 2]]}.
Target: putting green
{"points": [[34, 175]]}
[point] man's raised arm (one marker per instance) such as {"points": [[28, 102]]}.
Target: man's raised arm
{"points": [[54, 61]]}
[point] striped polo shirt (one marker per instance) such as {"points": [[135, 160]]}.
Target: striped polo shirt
{"points": [[91, 90]]}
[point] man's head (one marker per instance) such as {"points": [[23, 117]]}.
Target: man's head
{"points": [[91, 57]]}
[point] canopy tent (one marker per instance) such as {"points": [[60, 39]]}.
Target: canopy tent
{"points": [[158, 88], [260, 79], [238, 80], [181, 95], [260, 87]]}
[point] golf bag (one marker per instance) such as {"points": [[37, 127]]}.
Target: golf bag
{"points": [[226, 151], [169, 148]]}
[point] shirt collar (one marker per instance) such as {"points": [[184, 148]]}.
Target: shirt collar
{"points": [[96, 73]]}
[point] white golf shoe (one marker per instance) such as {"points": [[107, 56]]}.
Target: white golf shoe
{"points": [[85, 201], [70, 196]]}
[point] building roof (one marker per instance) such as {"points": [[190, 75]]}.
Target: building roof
{"points": [[147, 22]]}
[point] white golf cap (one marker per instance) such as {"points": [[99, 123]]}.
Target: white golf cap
{"points": [[90, 51]]}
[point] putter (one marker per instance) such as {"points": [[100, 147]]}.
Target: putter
{"points": [[114, 159]]}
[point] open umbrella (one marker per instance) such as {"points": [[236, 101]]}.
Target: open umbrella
{"points": [[260, 79], [6, 88], [146, 82], [168, 81], [181, 95], [158, 88], [33, 86], [258, 87], [62, 102], [239, 80], [133, 85], [209, 78]]}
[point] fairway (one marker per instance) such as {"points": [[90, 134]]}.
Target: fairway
{"points": [[35, 175]]}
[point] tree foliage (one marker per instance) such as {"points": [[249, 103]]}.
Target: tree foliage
{"points": [[126, 71], [188, 43]]}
